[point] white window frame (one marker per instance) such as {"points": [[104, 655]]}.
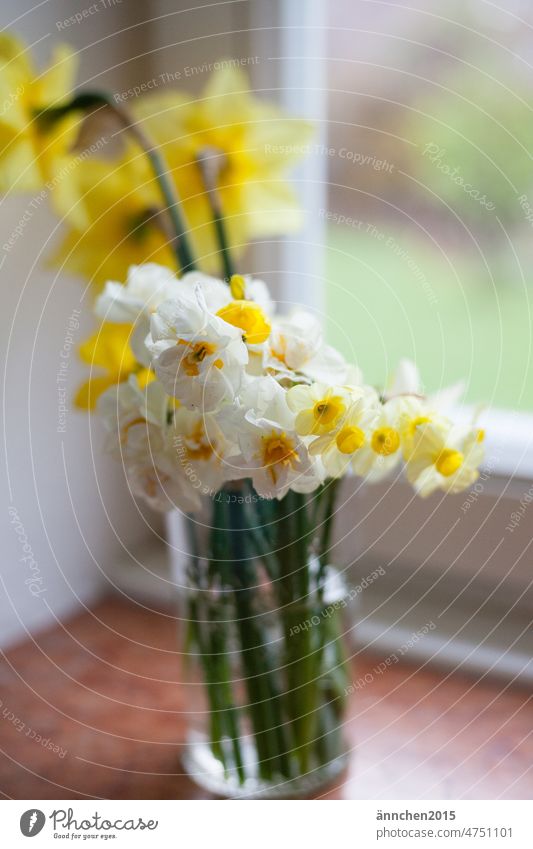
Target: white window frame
{"points": [[288, 35]]}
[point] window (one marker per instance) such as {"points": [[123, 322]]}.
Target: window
{"points": [[430, 202]]}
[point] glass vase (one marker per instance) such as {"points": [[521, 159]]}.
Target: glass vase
{"points": [[262, 616]]}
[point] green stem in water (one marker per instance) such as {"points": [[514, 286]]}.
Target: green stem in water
{"points": [[212, 689], [210, 637], [228, 711], [258, 539], [330, 658], [264, 696], [208, 164], [92, 100], [294, 594], [328, 495]]}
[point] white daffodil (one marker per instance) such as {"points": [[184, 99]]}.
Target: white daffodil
{"points": [[271, 452], [406, 381], [218, 293], [412, 409], [140, 420], [162, 485], [146, 287], [133, 414], [339, 448], [445, 457], [137, 421], [410, 413], [198, 357], [296, 348], [200, 447], [382, 450], [320, 408]]}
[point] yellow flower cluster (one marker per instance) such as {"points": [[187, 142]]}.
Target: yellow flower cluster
{"points": [[32, 152], [111, 202], [248, 143]]}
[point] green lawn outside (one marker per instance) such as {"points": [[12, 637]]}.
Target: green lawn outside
{"points": [[390, 297]]}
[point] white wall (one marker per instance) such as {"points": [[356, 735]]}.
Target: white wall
{"points": [[60, 498]]}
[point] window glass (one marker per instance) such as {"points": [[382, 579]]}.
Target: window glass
{"points": [[430, 202]]}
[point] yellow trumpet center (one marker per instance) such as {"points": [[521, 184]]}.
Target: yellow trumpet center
{"points": [[124, 431], [250, 318], [349, 439], [154, 479], [448, 461], [278, 450], [280, 353], [198, 445], [414, 423], [196, 355], [327, 412], [385, 441]]}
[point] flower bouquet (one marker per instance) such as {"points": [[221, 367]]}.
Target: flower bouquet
{"points": [[240, 417]]}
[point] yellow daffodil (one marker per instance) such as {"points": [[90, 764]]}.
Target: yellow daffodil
{"points": [[109, 350], [126, 227], [249, 143], [31, 149]]}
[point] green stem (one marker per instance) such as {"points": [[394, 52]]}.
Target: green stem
{"points": [[330, 654], [260, 541], [215, 727], [265, 703], [223, 565], [91, 100], [225, 696], [333, 690], [294, 593], [328, 495], [207, 165], [216, 664]]}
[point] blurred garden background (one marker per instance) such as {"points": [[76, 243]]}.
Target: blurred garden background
{"points": [[430, 207]]}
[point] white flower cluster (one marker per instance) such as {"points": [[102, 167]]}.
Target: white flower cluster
{"points": [[239, 392]]}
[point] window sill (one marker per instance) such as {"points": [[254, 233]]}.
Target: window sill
{"points": [[509, 435]]}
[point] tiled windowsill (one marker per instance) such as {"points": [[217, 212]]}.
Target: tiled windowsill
{"points": [[104, 688]]}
